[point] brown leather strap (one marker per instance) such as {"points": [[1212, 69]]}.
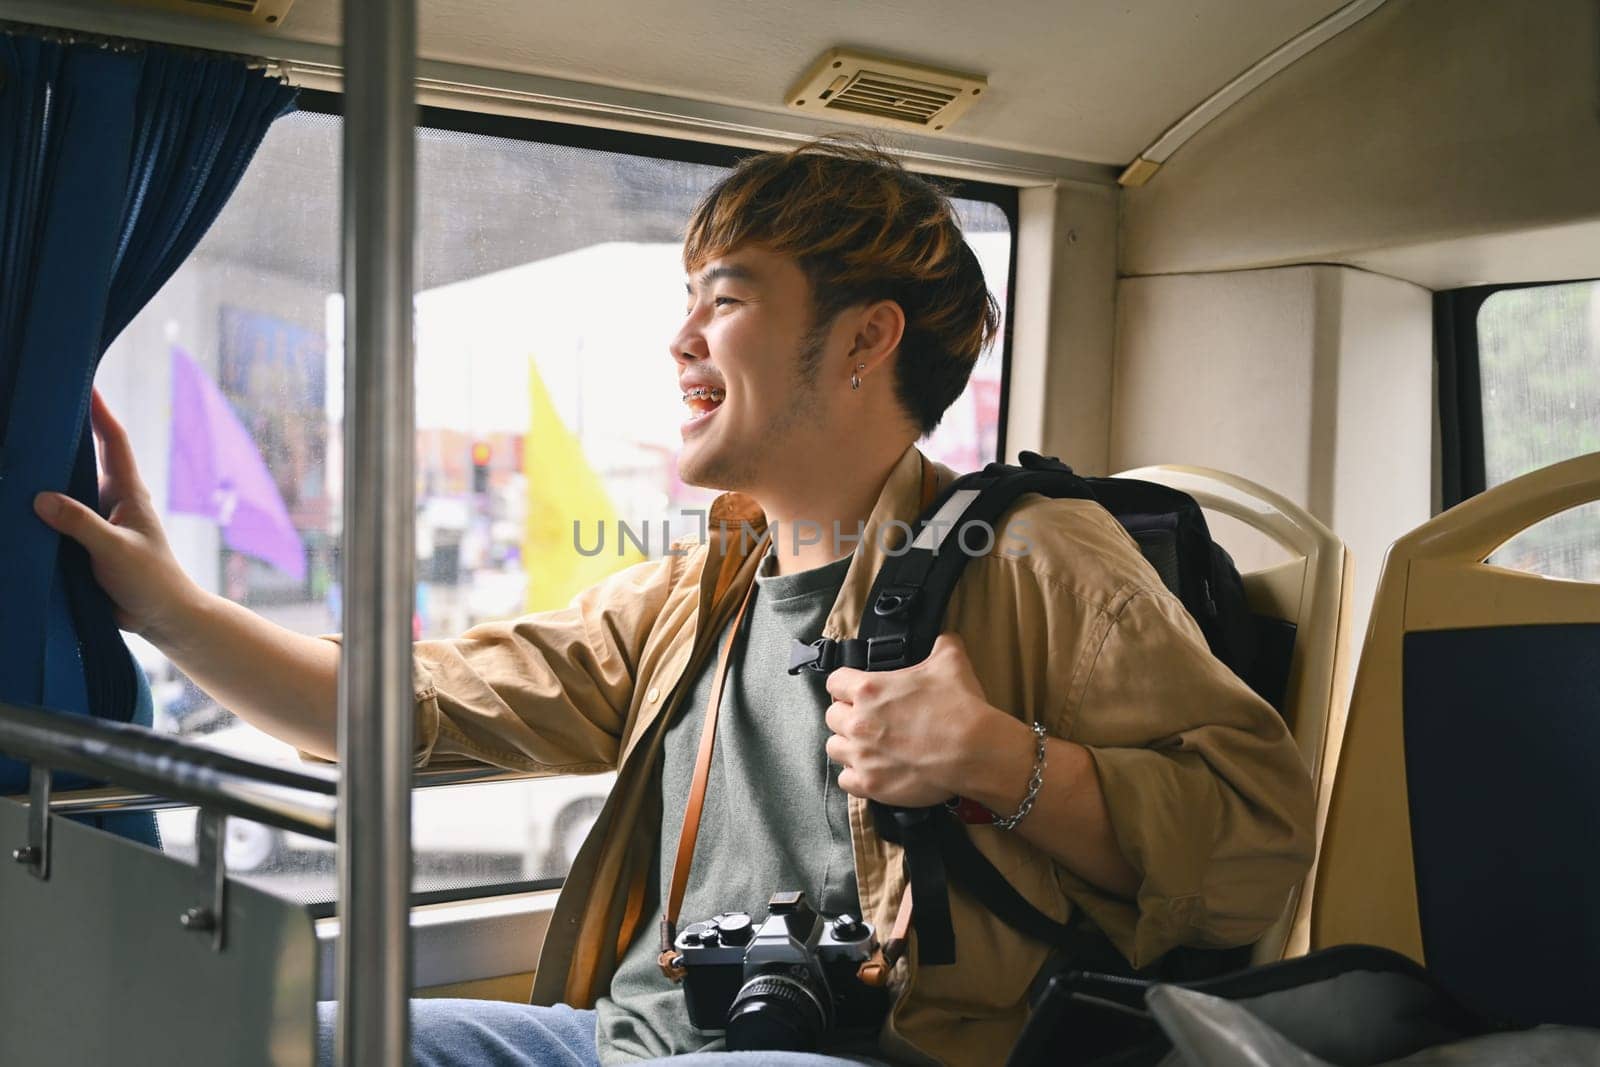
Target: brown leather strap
{"points": [[874, 970], [697, 794], [902, 923]]}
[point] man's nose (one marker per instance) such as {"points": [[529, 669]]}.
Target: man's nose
{"points": [[688, 345]]}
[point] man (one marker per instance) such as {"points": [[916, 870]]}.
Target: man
{"points": [[834, 313]]}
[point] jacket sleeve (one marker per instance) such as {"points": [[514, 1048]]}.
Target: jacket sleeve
{"points": [[1206, 792], [548, 692]]}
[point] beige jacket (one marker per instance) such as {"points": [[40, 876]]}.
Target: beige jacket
{"points": [[1064, 621]]}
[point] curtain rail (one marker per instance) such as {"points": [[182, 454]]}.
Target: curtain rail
{"points": [[59, 35]]}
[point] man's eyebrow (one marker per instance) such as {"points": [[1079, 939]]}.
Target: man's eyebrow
{"points": [[732, 271]]}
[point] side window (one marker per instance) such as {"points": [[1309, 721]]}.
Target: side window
{"points": [[969, 436], [1538, 380], [549, 283]]}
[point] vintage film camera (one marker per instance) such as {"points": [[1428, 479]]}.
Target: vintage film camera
{"points": [[784, 984]]}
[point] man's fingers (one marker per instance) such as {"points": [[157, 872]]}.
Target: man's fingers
{"points": [[110, 495], [68, 517], [116, 451], [835, 717], [842, 682], [838, 750]]}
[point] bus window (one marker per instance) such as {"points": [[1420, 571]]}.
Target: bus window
{"points": [[1539, 368], [549, 284]]}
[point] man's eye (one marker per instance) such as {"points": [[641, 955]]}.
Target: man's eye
{"points": [[723, 301]]}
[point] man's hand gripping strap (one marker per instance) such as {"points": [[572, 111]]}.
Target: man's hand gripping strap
{"points": [[905, 616]]}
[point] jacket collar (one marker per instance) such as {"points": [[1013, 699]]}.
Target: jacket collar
{"points": [[912, 483], [735, 525]]}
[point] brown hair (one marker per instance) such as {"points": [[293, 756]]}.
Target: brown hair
{"points": [[863, 229]]}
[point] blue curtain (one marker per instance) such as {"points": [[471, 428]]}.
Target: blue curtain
{"points": [[113, 163]]}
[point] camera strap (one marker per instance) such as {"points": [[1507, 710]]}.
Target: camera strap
{"points": [[875, 970], [669, 960]]}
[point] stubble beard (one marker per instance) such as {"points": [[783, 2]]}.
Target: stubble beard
{"points": [[747, 467]]}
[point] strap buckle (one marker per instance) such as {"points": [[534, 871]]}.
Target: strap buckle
{"points": [[825, 654], [885, 652], [821, 655]]}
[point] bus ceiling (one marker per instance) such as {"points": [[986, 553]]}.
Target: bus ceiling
{"points": [[1101, 86], [1395, 136]]}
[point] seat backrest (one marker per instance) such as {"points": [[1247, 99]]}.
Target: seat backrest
{"points": [[1461, 830], [1303, 607]]}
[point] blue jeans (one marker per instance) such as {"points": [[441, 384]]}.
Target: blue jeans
{"points": [[494, 1033]]}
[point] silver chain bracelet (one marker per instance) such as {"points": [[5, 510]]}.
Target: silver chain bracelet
{"points": [[1034, 783]]}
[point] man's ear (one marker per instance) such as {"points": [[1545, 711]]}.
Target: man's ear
{"points": [[879, 329]]}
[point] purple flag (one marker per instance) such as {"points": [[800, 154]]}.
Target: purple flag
{"points": [[216, 471]]}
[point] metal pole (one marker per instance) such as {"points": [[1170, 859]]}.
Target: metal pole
{"points": [[376, 716]]}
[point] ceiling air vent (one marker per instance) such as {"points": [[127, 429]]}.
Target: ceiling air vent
{"points": [[267, 13], [854, 86]]}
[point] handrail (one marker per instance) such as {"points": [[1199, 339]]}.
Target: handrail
{"points": [[112, 800], [138, 758], [131, 737]]}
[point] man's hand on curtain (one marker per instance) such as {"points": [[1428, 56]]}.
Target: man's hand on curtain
{"points": [[128, 548], [276, 679], [271, 677]]}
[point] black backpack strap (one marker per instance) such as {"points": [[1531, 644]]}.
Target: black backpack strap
{"points": [[906, 606], [914, 585], [905, 615], [972, 871]]}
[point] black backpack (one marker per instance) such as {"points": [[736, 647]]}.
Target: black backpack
{"points": [[905, 615], [1350, 1004]]}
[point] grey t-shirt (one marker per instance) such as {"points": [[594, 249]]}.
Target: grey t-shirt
{"points": [[774, 816]]}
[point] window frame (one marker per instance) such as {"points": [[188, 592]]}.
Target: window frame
{"points": [[1005, 197], [1462, 466], [571, 135]]}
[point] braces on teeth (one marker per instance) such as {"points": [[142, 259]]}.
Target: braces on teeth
{"points": [[701, 392]]}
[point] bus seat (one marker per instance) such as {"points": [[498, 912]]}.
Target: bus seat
{"points": [[1302, 607], [1461, 826]]}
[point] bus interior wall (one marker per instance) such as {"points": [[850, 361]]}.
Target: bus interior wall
{"points": [[1274, 310]]}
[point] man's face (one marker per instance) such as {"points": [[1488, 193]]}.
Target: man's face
{"points": [[748, 363]]}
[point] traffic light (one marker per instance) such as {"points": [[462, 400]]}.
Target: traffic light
{"points": [[480, 467]]}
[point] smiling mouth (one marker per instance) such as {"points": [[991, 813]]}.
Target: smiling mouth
{"points": [[703, 399]]}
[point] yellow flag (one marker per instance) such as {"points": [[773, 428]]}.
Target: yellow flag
{"points": [[563, 488]]}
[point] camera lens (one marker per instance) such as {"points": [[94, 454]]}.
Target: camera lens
{"points": [[776, 1011]]}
